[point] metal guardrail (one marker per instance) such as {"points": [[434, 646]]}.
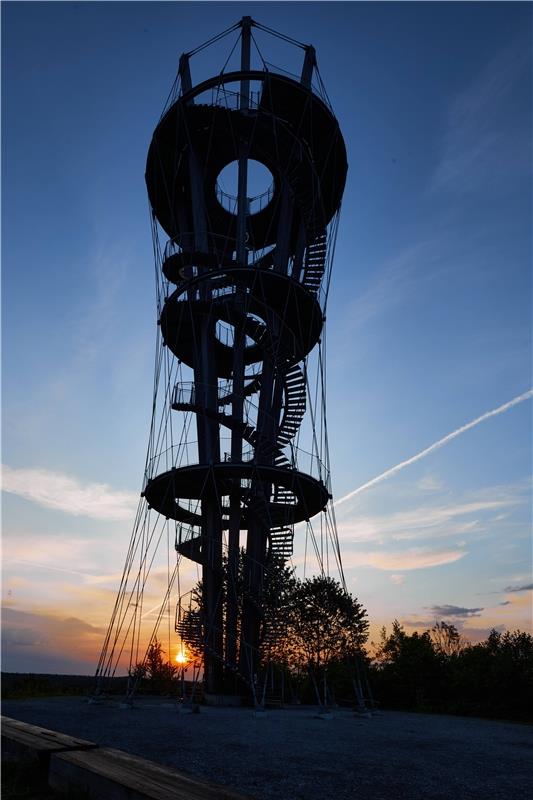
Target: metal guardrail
{"points": [[253, 205], [185, 392], [186, 454], [225, 98], [222, 248]]}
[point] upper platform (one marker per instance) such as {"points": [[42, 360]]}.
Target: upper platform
{"points": [[290, 130]]}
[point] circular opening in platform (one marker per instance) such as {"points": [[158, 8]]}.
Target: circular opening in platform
{"points": [[260, 187]]}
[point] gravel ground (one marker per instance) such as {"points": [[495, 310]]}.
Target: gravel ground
{"points": [[291, 755]]}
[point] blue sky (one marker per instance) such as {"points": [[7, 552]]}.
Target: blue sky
{"points": [[429, 316]]}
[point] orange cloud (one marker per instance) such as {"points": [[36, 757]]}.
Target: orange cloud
{"points": [[413, 558]]}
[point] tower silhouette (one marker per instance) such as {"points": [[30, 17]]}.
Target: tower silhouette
{"points": [[242, 285]]}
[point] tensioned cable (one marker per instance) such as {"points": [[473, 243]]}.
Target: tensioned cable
{"points": [[141, 568], [237, 40], [279, 35], [173, 93], [258, 51], [213, 40], [124, 613]]}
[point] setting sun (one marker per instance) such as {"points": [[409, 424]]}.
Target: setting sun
{"points": [[181, 658]]}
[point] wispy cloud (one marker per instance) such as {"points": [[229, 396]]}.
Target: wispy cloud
{"points": [[397, 579], [88, 578], [22, 637], [413, 558], [22, 562], [455, 611], [62, 551], [512, 614], [65, 493], [436, 446], [429, 483], [395, 280], [420, 623], [525, 588], [424, 522], [480, 132]]}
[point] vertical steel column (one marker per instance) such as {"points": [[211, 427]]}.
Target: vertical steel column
{"points": [[206, 393], [232, 599], [306, 79], [308, 66]]}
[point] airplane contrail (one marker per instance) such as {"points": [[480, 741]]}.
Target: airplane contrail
{"points": [[435, 446]]}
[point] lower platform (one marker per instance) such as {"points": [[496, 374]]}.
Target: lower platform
{"points": [[164, 492]]}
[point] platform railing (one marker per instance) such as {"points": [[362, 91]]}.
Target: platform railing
{"points": [[185, 454], [225, 98], [190, 392], [253, 205], [221, 247], [222, 250]]}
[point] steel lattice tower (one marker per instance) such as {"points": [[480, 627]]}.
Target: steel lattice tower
{"points": [[241, 306]]}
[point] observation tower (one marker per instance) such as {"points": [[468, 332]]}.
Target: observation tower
{"points": [[237, 453]]}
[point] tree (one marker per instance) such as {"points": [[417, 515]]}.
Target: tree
{"points": [[446, 639], [437, 670], [306, 626], [328, 623], [495, 677], [326, 626], [409, 670], [155, 668], [277, 601]]}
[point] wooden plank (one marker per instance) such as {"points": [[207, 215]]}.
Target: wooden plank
{"points": [[22, 741], [108, 774]]}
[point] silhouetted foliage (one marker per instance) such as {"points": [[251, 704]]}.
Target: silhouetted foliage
{"points": [[409, 666], [21, 685], [438, 671], [278, 601], [327, 624], [446, 639], [157, 674], [313, 632], [496, 676], [307, 626], [324, 628]]}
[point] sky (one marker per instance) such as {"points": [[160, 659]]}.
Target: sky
{"points": [[429, 313]]}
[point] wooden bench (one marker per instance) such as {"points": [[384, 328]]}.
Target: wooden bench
{"points": [[24, 742], [108, 774]]}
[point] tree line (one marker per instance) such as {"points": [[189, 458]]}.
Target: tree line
{"points": [[438, 671]]}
